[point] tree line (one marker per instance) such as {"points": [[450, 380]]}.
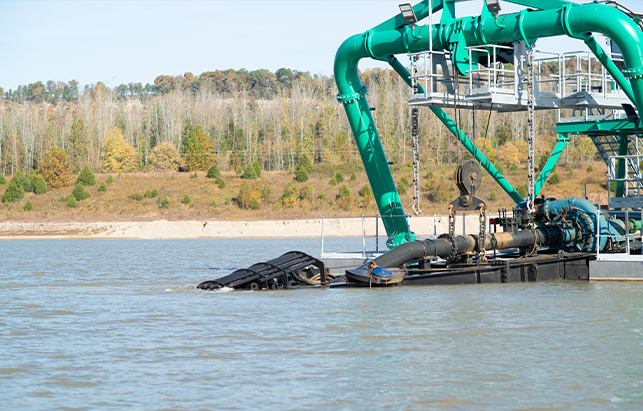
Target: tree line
{"points": [[237, 117]]}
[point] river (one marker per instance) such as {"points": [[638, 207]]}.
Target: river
{"points": [[118, 324]]}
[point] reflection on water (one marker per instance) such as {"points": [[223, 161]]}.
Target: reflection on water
{"points": [[119, 324]]}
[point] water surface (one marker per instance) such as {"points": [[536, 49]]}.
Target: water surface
{"points": [[118, 324]]}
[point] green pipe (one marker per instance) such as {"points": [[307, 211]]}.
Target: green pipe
{"points": [[607, 62], [466, 142], [353, 97], [551, 163]]}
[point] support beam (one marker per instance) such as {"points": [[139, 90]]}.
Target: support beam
{"points": [[563, 139]]}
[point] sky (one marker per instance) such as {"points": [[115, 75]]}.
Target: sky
{"points": [[134, 41]]}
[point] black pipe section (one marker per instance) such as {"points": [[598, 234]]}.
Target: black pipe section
{"points": [[447, 246]]}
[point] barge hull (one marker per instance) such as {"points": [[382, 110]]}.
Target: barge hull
{"points": [[571, 266]]}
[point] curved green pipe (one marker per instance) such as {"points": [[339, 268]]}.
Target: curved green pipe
{"points": [[569, 20]]}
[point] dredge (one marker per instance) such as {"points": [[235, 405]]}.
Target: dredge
{"points": [[489, 62]]}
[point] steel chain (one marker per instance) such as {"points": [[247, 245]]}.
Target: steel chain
{"points": [[531, 129]]}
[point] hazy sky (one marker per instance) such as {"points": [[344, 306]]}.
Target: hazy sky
{"points": [[134, 41]]}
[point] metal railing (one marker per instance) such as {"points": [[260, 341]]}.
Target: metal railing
{"points": [[628, 236], [377, 217]]}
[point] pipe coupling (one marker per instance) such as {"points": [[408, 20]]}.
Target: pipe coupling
{"points": [[633, 73], [349, 98]]}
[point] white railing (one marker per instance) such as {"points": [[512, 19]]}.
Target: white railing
{"points": [[628, 236]]}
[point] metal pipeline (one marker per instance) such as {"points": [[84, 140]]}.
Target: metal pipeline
{"points": [[445, 246]]}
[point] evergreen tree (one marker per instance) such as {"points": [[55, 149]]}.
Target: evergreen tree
{"points": [[86, 177], [197, 149]]}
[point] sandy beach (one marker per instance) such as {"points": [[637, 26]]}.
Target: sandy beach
{"points": [[423, 226]]}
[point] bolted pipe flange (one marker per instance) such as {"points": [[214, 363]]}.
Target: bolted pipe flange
{"points": [[636, 72], [349, 98]]}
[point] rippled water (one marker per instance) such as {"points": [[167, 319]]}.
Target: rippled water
{"points": [[119, 325]]}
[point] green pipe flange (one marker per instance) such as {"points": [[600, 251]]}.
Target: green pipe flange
{"points": [[633, 72], [349, 98]]}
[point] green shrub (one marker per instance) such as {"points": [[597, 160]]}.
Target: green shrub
{"points": [[14, 192], [365, 191], [590, 168], [220, 182], [333, 182], [40, 186], [493, 196], [353, 177], [339, 177], [3, 179], [401, 189], [321, 196], [213, 203], [195, 175], [513, 167], [186, 199], [500, 167], [404, 181], [252, 171], [554, 179], [28, 206], [102, 188], [288, 196], [301, 175], [79, 192], [151, 193], [23, 181], [344, 191], [164, 202], [305, 163], [86, 177], [110, 179], [135, 196], [252, 195], [213, 172], [306, 192], [522, 190], [71, 202], [344, 198]]}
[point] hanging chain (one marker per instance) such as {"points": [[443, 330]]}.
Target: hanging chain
{"points": [[414, 141], [482, 238], [451, 220], [531, 129]]}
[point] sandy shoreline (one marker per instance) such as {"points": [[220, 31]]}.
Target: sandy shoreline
{"points": [[423, 226]]}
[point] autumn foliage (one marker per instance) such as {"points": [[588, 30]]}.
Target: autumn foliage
{"points": [[55, 168], [164, 157], [117, 154]]}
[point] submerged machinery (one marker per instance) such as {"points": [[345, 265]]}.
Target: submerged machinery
{"points": [[489, 62]]}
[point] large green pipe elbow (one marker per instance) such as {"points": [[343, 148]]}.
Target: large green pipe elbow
{"points": [[352, 95]]}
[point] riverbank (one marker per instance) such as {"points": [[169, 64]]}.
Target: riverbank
{"points": [[423, 226]]}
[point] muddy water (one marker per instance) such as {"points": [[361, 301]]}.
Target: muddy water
{"points": [[119, 325]]}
